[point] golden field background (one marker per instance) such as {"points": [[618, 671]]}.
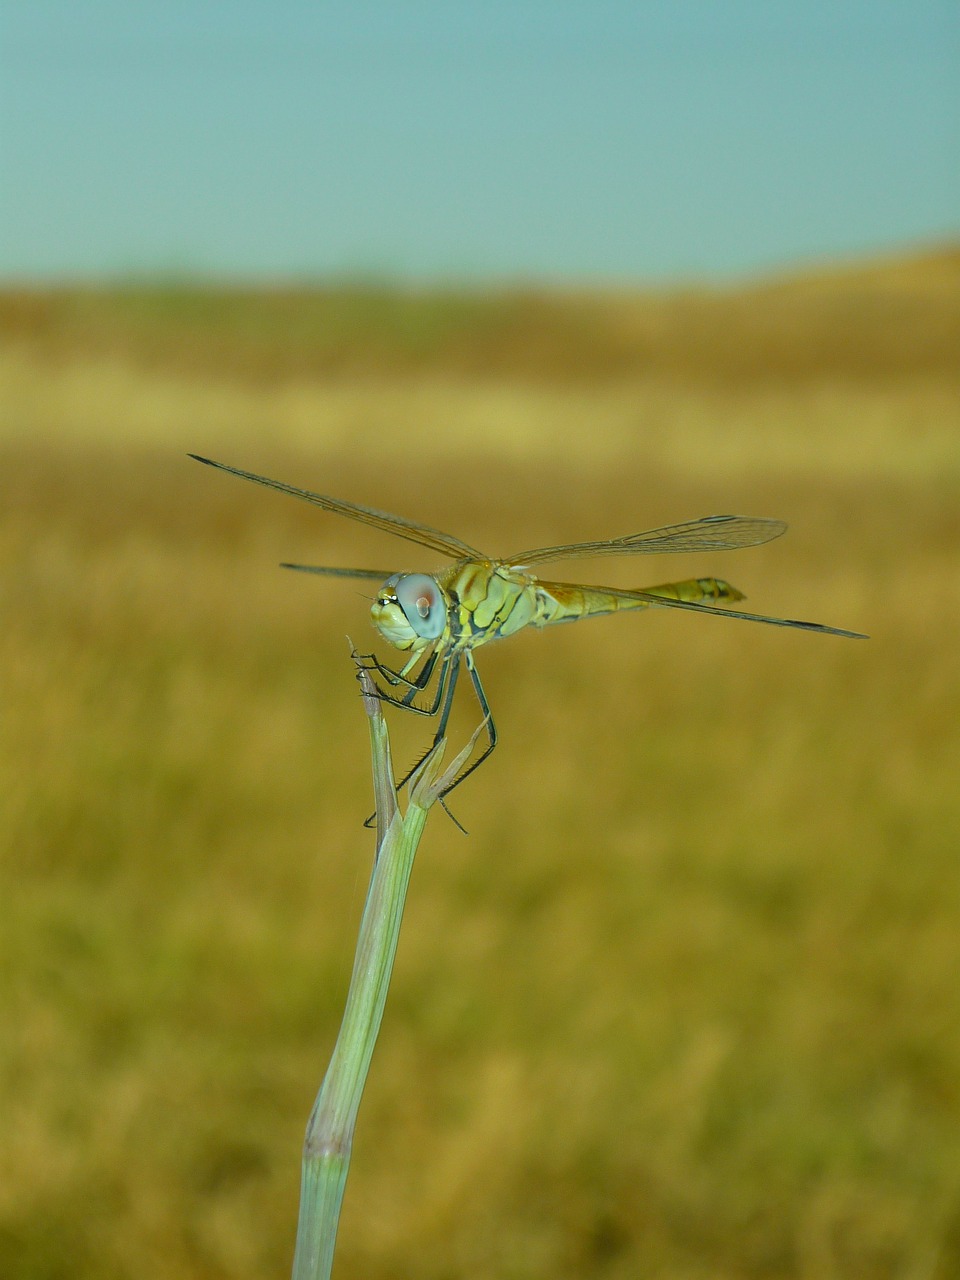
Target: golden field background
{"points": [[685, 1004]]}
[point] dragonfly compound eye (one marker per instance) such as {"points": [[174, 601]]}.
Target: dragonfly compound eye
{"points": [[422, 604]]}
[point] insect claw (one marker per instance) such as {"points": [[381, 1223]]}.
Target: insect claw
{"points": [[372, 820], [456, 822]]}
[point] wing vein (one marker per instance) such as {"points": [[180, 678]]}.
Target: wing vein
{"points": [[711, 533]]}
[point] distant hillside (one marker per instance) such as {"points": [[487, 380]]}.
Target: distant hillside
{"points": [[885, 318]]}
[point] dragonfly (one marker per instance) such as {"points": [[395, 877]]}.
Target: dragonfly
{"points": [[441, 619]]}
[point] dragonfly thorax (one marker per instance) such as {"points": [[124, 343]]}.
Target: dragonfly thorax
{"points": [[409, 610]]}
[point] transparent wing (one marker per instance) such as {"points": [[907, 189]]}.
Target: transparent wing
{"points": [[711, 533], [422, 534], [667, 603], [377, 575]]}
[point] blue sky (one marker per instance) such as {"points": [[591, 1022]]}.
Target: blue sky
{"points": [[427, 140]]}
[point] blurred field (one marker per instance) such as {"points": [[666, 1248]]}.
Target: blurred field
{"points": [[686, 1003]]}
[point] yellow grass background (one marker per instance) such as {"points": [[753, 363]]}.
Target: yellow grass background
{"points": [[685, 1004]]}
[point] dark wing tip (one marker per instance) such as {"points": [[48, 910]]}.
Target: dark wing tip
{"points": [[828, 631], [208, 462]]}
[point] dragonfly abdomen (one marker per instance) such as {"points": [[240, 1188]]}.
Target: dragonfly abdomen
{"points": [[694, 590], [563, 602]]}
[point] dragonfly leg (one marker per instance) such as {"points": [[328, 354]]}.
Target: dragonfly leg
{"points": [[446, 685], [488, 724], [370, 662], [421, 682], [406, 702], [448, 677]]}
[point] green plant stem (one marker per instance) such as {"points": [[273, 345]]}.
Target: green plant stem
{"points": [[329, 1138]]}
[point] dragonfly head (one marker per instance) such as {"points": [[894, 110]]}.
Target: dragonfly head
{"points": [[409, 610]]}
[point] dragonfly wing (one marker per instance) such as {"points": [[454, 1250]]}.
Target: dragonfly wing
{"points": [[667, 603], [375, 575], [711, 533], [422, 534]]}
